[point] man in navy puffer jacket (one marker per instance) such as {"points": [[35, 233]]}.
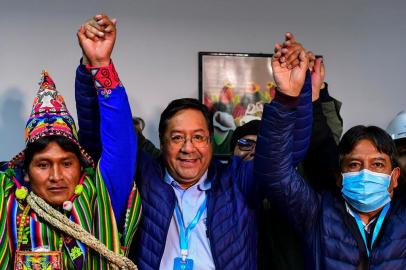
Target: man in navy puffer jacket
{"points": [[185, 178], [361, 228]]}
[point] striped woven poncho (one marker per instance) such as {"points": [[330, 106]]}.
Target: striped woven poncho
{"points": [[92, 210]]}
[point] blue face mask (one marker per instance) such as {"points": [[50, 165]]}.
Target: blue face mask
{"points": [[366, 191]]}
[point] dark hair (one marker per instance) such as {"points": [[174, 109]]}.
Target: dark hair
{"points": [[43, 142], [183, 104], [139, 121], [250, 128], [377, 136]]}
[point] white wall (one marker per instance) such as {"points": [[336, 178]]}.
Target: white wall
{"points": [[363, 42]]}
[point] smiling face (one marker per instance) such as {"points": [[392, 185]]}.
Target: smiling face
{"points": [[185, 162], [53, 174], [364, 155]]}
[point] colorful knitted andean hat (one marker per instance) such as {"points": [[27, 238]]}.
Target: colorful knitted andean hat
{"points": [[49, 117]]}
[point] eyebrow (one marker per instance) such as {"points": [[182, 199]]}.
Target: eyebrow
{"points": [[360, 159], [47, 158], [182, 131], [380, 158]]}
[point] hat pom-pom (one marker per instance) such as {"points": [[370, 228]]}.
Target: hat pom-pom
{"points": [[21, 193], [78, 189], [67, 206]]}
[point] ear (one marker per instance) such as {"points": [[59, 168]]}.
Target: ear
{"points": [[26, 178], [394, 177]]}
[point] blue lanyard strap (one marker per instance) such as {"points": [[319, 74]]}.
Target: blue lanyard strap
{"points": [[377, 228], [184, 233]]}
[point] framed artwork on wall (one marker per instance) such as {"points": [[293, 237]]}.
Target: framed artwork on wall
{"points": [[234, 86]]}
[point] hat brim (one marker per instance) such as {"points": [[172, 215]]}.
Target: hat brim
{"points": [[18, 160]]}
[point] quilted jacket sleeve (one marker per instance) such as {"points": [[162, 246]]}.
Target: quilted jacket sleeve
{"points": [[274, 166], [302, 128], [87, 107]]}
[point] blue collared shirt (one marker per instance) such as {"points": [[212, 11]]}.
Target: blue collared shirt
{"points": [[189, 201], [367, 227]]}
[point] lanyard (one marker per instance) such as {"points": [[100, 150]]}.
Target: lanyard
{"points": [[184, 233], [377, 228]]}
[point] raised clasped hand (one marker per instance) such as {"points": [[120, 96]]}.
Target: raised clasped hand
{"points": [[289, 66], [96, 38]]}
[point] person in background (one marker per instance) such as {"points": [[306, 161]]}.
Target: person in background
{"points": [[329, 105], [139, 124], [244, 140], [143, 143], [397, 130]]}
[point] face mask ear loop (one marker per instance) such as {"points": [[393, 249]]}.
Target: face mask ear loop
{"points": [[390, 176]]}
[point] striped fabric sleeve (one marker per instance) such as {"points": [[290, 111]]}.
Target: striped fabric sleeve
{"points": [[5, 188], [132, 219], [104, 224]]}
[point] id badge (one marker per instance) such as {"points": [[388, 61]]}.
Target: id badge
{"points": [[30, 260], [178, 264]]}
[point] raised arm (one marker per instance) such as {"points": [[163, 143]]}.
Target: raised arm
{"points": [[273, 163], [288, 58], [289, 52], [117, 135], [87, 107], [331, 110], [330, 106], [320, 164]]}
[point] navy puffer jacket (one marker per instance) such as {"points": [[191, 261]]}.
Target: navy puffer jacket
{"points": [[232, 200], [231, 221], [331, 237]]}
